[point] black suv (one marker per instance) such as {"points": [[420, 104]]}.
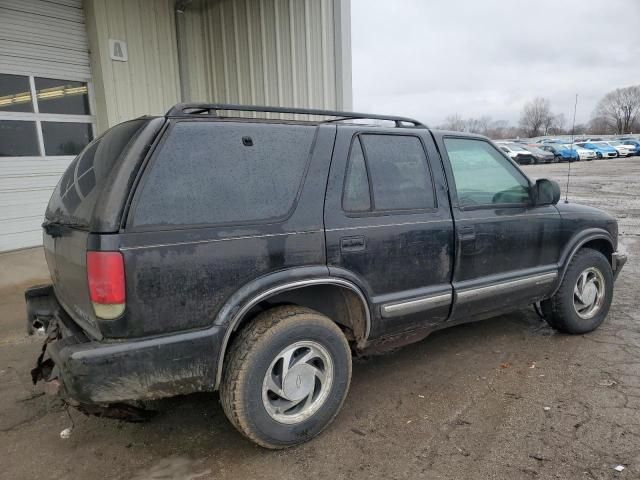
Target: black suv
{"points": [[210, 249]]}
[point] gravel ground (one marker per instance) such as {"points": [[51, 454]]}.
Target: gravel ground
{"points": [[506, 398]]}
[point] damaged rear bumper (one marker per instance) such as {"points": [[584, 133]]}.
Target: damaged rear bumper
{"points": [[92, 372]]}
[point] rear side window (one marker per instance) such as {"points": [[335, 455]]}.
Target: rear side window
{"points": [[76, 194], [396, 168], [209, 173], [356, 189]]}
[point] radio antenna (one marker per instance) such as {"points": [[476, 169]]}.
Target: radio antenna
{"points": [[573, 131]]}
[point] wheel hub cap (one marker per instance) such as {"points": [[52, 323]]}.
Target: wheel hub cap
{"points": [[589, 293], [297, 382]]}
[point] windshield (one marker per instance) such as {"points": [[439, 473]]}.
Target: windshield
{"points": [[77, 191]]}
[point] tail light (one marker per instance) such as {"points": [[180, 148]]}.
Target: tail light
{"points": [[105, 273]]}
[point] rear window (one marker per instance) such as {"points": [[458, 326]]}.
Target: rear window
{"points": [[209, 173], [75, 196]]}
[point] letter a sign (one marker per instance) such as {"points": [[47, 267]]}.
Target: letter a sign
{"points": [[118, 50]]}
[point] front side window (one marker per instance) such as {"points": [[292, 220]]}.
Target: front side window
{"points": [[483, 176], [396, 168], [210, 173]]}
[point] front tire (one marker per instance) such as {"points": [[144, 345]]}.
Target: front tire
{"points": [[583, 299], [287, 376]]}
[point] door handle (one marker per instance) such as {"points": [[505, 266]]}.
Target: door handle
{"points": [[466, 233], [352, 244]]}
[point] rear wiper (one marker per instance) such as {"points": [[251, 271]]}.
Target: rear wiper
{"points": [[55, 228]]}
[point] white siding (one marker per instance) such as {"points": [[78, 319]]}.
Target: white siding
{"points": [[45, 38], [149, 82], [266, 52], [48, 39]]}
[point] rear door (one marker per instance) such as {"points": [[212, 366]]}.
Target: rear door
{"points": [[506, 248], [388, 225]]}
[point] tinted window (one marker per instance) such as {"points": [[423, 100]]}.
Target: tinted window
{"points": [[65, 138], [62, 96], [15, 94], [18, 139], [356, 188], [76, 193], [482, 174], [214, 173], [400, 176]]}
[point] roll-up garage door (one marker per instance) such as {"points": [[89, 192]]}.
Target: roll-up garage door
{"points": [[45, 108]]}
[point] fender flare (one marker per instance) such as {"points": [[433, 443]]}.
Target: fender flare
{"points": [[575, 245], [231, 316]]}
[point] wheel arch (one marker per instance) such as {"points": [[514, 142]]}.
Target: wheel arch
{"points": [[595, 238], [340, 299]]}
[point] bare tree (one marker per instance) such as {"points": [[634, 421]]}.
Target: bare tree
{"points": [[499, 129], [554, 125], [601, 125], [454, 122], [536, 117], [620, 108], [472, 125], [484, 124]]}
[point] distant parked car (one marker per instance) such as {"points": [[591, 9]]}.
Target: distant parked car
{"points": [[632, 141], [585, 153], [602, 149], [624, 149], [517, 152], [542, 156], [561, 152]]}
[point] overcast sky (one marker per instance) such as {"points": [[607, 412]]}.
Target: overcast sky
{"points": [[430, 59]]}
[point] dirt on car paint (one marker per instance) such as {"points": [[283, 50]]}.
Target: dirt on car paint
{"points": [[504, 398]]}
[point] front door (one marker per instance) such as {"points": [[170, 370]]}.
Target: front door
{"points": [[389, 227], [506, 248]]}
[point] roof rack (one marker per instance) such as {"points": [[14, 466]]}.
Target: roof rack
{"points": [[186, 109]]}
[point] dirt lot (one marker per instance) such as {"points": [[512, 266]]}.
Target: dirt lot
{"points": [[469, 402]]}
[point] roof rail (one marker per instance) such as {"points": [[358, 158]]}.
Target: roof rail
{"points": [[186, 109]]}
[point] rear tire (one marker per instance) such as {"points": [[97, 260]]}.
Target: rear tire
{"points": [[583, 299], [277, 407]]}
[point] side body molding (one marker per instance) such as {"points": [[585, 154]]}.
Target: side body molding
{"points": [[232, 313]]}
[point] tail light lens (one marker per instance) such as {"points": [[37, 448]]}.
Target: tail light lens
{"points": [[105, 273]]}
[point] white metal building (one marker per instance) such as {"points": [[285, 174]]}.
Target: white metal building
{"points": [[70, 69]]}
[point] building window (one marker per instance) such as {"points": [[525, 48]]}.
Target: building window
{"points": [[18, 139], [43, 116], [15, 94], [62, 96]]}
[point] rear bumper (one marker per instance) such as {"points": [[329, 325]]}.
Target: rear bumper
{"points": [[93, 372], [617, 262]]}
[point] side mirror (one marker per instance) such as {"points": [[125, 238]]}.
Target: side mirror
{"points": [[547, 192]]}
